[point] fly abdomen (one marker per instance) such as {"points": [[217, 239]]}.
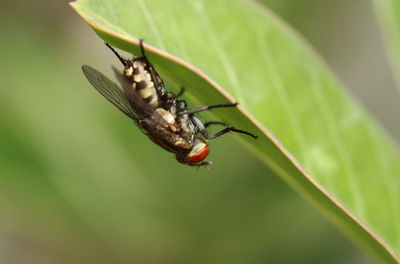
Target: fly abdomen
{"points": [[142, 82]]}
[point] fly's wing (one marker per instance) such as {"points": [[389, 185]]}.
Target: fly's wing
{"points": [[110, 91], [135, 100]]}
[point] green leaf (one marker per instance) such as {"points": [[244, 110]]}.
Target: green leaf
{"points": [[388, 12], [312, 133]]}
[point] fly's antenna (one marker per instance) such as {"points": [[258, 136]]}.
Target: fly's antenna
{"points": [[122, 60]]}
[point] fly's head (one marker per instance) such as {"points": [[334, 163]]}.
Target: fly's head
{"points": [[196, 155]]}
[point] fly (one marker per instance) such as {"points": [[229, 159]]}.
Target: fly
{"points": [[164, 118]]}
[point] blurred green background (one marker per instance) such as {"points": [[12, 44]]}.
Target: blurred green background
{"points": [[80, 184]]}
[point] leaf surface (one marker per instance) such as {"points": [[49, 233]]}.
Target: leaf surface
{"points": [[312, 133]]}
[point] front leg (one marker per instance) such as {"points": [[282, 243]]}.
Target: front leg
{"points": [[202, 129], [180, 93], [207, 124], [205, 108], [227, 130]]}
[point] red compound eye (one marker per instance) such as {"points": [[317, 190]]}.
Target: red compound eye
{"points": [[198, 154]]}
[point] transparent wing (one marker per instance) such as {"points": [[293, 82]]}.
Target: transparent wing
{"points": [[109, 90]]}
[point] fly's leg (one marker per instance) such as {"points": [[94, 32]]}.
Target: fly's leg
{"points": [[180, 93], [122, 60], [142, 48], [201, 128], [205, 108], [142, 58], [227, 130], [205, 164], [207, 124]]}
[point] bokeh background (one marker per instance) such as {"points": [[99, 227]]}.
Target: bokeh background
{"points": [[80, 184]]}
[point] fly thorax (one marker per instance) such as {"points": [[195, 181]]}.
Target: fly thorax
{"points": [[186, 124], [169, 99], [142, 82], [172, 110], [182, 142], [181, 105], [166, 119]]}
